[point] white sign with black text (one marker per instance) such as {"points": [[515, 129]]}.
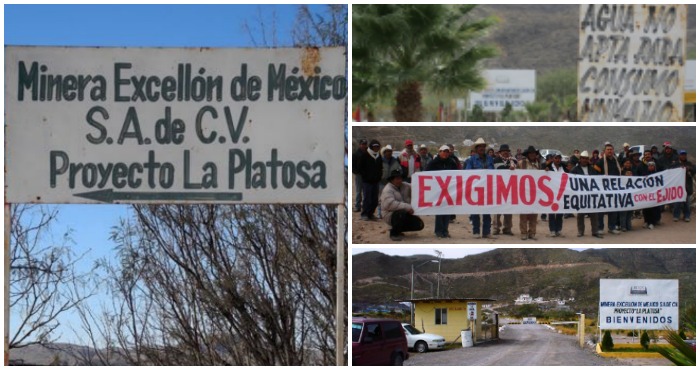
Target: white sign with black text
{"points": [[638, 304], [174, 125]]}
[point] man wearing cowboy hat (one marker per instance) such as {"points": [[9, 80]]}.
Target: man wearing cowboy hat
{"points": [[425, 157], [396, 203], [624, 154], [504, 162], [528, 222], [480, 161], [584, 167]]}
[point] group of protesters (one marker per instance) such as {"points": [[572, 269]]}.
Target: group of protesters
{"points": [[382, 185]]}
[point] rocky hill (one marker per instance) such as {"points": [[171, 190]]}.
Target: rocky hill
{"points": [[542, 36], [504, 274]]}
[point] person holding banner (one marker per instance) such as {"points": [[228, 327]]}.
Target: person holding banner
{"points": [[528, 222], [584, 167], [608, 165], [480, 161], [556, 220], [396, 203], [689, 175], [652, 215], [442, 161], [504, 162]]}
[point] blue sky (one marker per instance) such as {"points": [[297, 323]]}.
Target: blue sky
{"points": [[139, 26]]}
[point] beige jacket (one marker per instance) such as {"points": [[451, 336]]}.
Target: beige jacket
{"points": [[395, 199]]}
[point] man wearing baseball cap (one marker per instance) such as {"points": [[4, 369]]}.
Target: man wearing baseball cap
{"points": [[480, 161], [409, 160], [668, 158], [442, 162]]}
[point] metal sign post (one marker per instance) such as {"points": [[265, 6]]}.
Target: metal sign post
{"points": [[340, 316], [8, 225]]}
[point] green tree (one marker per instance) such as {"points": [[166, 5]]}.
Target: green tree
{"points": [[558, 90], [607, 343], [400, 49], [644, 340]]}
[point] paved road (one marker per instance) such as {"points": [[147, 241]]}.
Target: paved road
{"points": [[521, 345]]}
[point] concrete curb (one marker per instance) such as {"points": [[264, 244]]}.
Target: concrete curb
{"points": [[628, 354]]}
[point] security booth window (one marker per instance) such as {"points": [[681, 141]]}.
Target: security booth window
{"points": [[441, 316]]}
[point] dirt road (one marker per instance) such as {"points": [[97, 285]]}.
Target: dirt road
{"points": [[373, 232], [520, 345]]}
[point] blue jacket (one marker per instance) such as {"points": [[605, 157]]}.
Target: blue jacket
{"points": [[475, 163]]}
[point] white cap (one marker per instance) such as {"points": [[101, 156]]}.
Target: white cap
{"points": [[422, 146], [387, 147], [444, 147], [584, 154]]}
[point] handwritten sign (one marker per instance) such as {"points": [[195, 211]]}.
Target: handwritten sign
{"points": [[159, 125]]}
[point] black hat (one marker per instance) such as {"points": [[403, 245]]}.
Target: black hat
{"points": [[530, 149], [363, 141], [373, 143], [504, 148], [395, 173]]}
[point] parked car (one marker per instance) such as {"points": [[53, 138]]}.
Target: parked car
{"points": [[545, 152], [691, 343], [422, 342], [378, 342]]}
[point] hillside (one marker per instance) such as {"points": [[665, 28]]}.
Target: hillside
{"points": [[503, 274], [565, 139], [543, 37]]}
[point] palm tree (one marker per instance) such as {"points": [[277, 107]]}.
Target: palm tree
{"points": [[399, 49], [682, 354]]}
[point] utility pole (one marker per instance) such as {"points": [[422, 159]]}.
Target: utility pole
{"points": [[439, 256]]}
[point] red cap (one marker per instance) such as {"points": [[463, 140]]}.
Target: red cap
{"points": [[408, 142]]}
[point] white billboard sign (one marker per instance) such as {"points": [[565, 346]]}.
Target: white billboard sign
{"points": [[638, 304], [174, 125], [504, 86], [631, 62]]}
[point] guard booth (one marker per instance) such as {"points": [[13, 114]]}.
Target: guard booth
{"points": [[449, 316]]}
